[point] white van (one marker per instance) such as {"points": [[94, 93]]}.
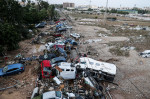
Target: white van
{"points": [[68, 71], [145, 54]]}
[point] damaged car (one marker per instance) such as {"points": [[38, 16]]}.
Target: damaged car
{"points": [[12, 69], [106, 69], [46, 69], [68, 70]]}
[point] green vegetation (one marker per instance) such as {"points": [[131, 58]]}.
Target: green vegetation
{"points": [[118, 52], [140, 11], [119, 12], [16, 20]]}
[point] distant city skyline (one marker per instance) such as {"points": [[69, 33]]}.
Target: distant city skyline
{"points": [[111, 3], [100, 3]]}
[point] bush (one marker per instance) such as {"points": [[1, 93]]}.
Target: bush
{"points": [[96, 17], [118, 52]]}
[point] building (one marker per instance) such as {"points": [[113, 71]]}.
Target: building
{"points": [[147, 8], [83, 7], [86, 7], [67, 4]]}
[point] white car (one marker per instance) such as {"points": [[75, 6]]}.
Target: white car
{"points": [[59, 42], [49, 45], [75, 35], [52, 95], [145, 54]]}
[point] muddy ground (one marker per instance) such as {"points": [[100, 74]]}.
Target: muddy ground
{"points": [[133, 72]]}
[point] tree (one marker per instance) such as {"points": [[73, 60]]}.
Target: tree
{"points": [[44, 4], [113, 11], [11, 12], [51, 11], [9, 36], [90, 9]]}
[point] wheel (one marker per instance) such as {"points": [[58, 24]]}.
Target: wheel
{"points": [[78, 66], [145, 57], [19, 73]]}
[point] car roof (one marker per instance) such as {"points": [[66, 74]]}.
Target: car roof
{"points": [[18, 65], [59, 58], [146, 51], [50, 94], [46, 63]]}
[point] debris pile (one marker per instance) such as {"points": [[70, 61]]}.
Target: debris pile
{"points": [[63, 72]]}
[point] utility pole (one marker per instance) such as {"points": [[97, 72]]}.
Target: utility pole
{"points": [[105, 14], [90, 4]]}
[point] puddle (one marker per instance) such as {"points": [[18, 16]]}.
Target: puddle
{"points": [[93, 40], [37, 48], [83, 23], [90, 19]]}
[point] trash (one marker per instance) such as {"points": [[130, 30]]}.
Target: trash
{"points": [[102, 35], [127, 48], [93, 40], [71, 95], [75, 35], [58, 82], [35, 92], [145, 54], [51, 88]]}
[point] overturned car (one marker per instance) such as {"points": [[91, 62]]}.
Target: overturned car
{"points": [[107, 70]]}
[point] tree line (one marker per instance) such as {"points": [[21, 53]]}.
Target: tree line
{"points": [[16, 20]]}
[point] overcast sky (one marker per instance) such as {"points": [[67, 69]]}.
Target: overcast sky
{"points": [[111, 3]]}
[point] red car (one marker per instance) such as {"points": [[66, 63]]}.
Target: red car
{"points": [[57, 35], [46, 69], [57, 22], [61, 46]]}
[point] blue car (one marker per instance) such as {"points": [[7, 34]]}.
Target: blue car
{"points": [[62, 52], [12, 69], [46, 57], [72, 42], [57, 60], [40, 25]]}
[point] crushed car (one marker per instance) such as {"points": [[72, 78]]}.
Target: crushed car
{"points": [[75, 35], [106, 69]]}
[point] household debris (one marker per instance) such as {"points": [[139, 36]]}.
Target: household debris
{"points": [[64, 72], [93, 40]]}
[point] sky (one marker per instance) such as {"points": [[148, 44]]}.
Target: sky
{"points": [[111, 3]]}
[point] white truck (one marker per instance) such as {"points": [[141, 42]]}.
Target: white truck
{"points": [[68, 71]]}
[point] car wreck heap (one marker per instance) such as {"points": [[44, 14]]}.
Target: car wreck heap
{"points": [[67, 73]]}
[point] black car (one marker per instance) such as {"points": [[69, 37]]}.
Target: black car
{"points": [[46, 57]]}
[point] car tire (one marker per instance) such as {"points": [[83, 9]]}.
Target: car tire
{"points": [[19, 73], [78, 67]]}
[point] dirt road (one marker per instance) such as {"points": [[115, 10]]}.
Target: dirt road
{"points": [[133, 72]]}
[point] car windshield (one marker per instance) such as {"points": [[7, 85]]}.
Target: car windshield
{"points": [[53, 61], [58, 94], [47, 69], [83, 62], [5, 68]]}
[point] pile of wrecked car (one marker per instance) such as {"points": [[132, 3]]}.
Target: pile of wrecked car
{"points": [[64, 74]]}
